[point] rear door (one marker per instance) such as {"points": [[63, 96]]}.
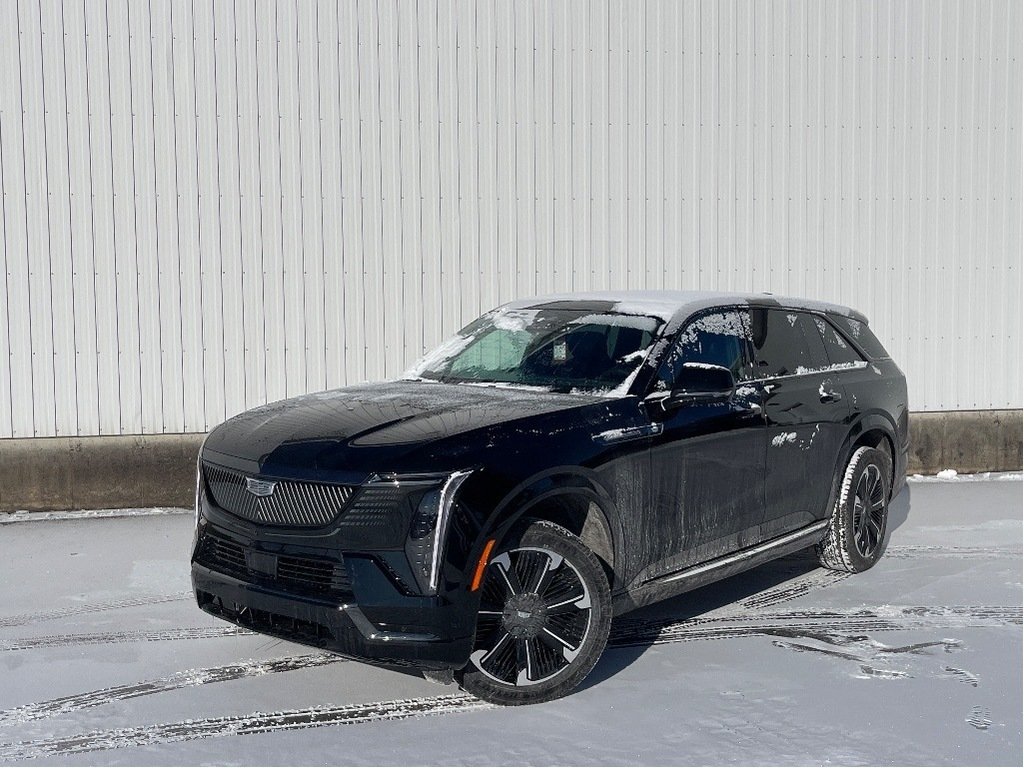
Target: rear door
{"points": [[806, 413]]}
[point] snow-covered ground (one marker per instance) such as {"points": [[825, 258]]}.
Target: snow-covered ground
{"points": [[104, 659]]}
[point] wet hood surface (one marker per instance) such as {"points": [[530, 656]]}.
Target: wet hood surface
{"points": [[370, 427]]}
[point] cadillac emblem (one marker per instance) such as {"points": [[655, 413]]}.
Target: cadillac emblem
{"points": [[258, 487]]}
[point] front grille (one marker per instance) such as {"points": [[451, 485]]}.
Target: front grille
{"points": [[315, 575], [306, 575], [225, 555], [309, 505]]}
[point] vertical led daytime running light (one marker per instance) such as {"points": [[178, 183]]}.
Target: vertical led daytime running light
{"points": [[199, 480], [199, 485], [440, 528]]}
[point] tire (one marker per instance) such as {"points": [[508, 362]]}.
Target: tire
{"points": [[534, 642], [856, 533]]}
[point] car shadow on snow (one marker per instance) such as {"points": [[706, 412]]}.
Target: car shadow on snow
{"points": [[759, 590], [899, 511]]}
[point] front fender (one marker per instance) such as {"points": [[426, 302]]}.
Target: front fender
{"points": [[511, 504]]}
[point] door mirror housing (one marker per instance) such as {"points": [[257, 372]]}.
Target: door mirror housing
{"points": [[700, 383]]}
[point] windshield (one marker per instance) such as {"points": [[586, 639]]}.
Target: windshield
{"points": [[559, 350]]}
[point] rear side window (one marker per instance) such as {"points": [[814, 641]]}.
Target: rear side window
{"points": [[785, 343], [716, 338], [840, 351], [863, 335]]}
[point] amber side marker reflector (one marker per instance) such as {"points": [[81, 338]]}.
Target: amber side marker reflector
{"points": [[479, 575]]}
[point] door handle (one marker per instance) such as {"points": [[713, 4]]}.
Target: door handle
{"points": [[628, 433], [831, 397]]}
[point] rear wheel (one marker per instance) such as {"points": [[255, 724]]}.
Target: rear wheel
{"points": [[545, 613], [856, 531]]}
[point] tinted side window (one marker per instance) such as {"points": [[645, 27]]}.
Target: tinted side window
{"points": [[781, 346], [718, 338], [839, 351], [864, 336], [815, 342]]}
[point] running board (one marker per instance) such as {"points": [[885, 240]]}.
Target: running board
{"points": [[744, 554], [720, 568]]}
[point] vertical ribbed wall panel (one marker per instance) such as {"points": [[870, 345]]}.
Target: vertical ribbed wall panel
{"points": [[210, 205]]}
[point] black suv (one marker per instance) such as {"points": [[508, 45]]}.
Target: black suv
{"points": [[560, 461]]}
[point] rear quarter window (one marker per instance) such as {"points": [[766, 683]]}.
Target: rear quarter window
{"points": [[863, 336], [840, 351]]}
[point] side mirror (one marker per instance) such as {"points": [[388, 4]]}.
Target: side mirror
{"points": [[700, 383]]}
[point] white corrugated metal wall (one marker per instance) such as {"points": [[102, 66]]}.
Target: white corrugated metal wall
{"points": [[209, 205]]}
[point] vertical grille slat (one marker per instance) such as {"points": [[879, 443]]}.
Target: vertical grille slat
{"points": [[303, 505], [297, 504]]}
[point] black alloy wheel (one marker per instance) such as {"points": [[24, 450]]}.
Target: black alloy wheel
{"points": [[869, 510], [544, 617], [854, 539]]}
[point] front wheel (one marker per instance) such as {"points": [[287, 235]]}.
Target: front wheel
{"points": [[545, 614], [853, 541]]}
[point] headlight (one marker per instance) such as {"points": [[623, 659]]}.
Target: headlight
{"points": [[433, 496]]}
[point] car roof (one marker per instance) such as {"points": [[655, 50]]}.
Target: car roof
{"points": [[669, 305]]}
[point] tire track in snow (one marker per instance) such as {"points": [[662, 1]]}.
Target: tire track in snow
{"points": [[823, 578], [187, 679], [74, 610], [111, 638], [981, 717], [629, 633], [258, 722], [904, 551], [819, 578], [625, 634], [963, 676], [873, 658]]}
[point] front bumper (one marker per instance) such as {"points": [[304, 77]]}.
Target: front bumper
{"points": [[339, 626], [349, 585]]}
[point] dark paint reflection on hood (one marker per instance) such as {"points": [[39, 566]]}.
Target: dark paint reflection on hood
{"points": [[386, 415]]}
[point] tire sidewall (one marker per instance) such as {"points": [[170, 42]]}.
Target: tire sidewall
{"points": [[543, 534], [859, 463]]}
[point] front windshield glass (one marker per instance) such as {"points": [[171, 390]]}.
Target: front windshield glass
{"points": [[559, 350]]}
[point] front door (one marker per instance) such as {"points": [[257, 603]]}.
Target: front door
{"points": [[707, 463]]}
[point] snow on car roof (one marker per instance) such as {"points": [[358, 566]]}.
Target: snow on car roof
{"points": [[667, 305]]}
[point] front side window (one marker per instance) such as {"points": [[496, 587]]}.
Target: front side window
{"points": [[715, 338], [561, 350]]}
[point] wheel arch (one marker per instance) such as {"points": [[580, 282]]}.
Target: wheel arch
{"points": [[874, 430], [571, 497]]}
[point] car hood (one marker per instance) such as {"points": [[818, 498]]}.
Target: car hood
{"points": [[373, 427]]}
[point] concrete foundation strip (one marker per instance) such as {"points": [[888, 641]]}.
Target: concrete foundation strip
{"points": [[71, 473]]}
